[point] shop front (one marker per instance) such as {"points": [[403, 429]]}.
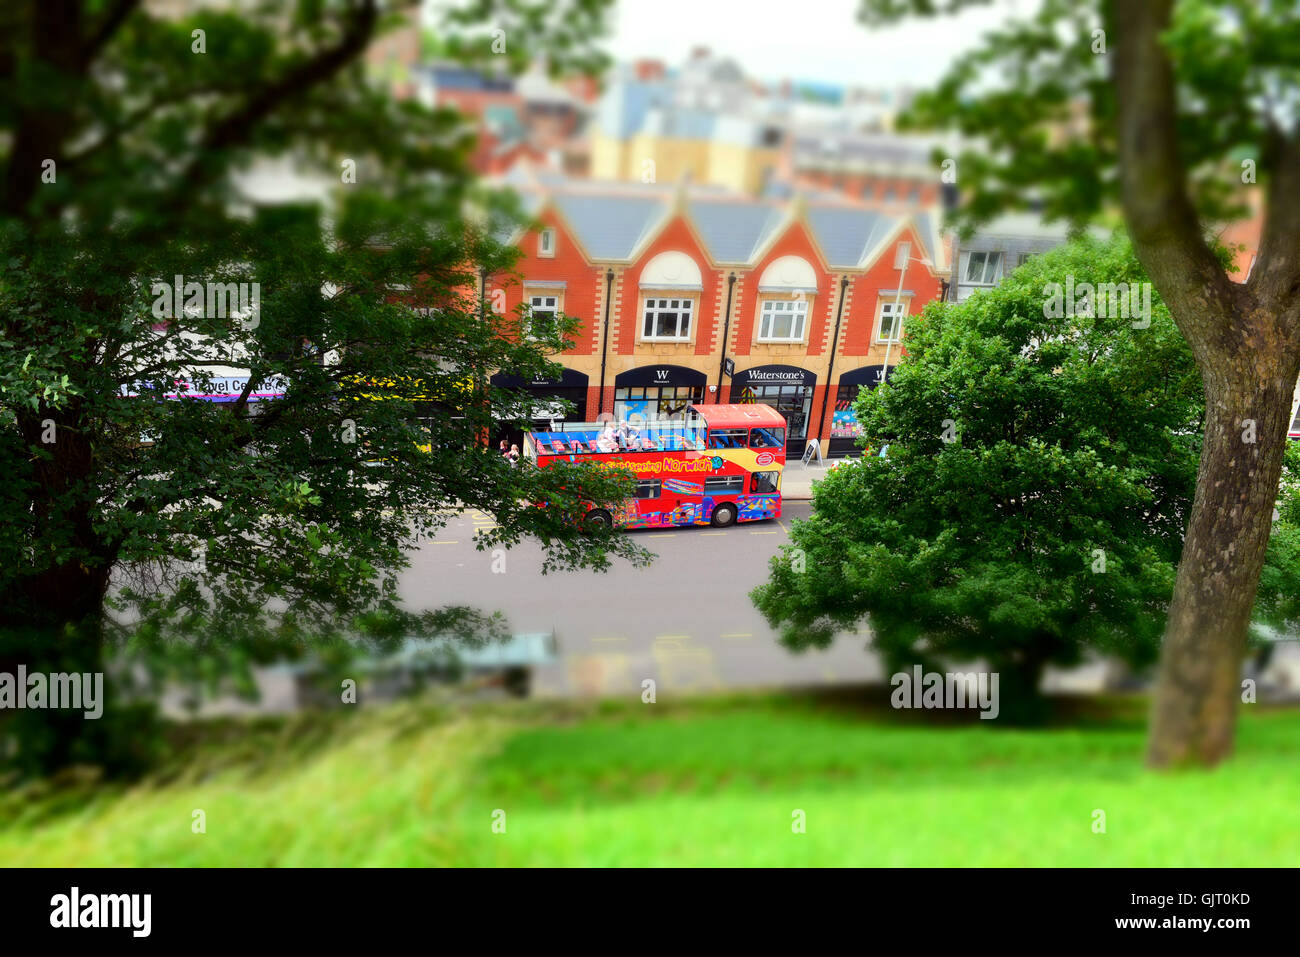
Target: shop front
{"points": [[845, 430], [549, 397], [788, 389], [657, 392]]}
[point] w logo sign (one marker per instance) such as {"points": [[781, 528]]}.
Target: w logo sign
{"points": [[661, 375]]}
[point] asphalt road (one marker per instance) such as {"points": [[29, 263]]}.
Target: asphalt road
{"points": [[686, 621]]}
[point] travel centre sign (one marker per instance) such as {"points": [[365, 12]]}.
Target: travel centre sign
{"points": [[226, 388]]}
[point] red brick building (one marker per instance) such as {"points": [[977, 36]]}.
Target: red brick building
{"points": [[700, 296]]}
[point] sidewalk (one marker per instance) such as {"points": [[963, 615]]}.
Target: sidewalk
{"points": [[797, 479]]}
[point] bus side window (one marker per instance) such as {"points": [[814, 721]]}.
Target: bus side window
{"points": [[766, 438], [764, 482], [724, 485], [727, 438], [649, 488]]}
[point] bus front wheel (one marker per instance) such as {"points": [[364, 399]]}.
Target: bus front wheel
{"points": [[599, 518], [724, 515]]}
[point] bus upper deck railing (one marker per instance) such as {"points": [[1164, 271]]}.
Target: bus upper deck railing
{"points": [[667, 435]]}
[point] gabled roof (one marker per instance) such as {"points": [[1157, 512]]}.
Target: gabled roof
{"points": [[732, 230], [613, 221], [507, 230], [848, 235], [611, 226], [927, 224]]}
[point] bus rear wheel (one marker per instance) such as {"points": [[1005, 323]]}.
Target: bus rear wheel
{"points": [[599, 518], [724, 515]]}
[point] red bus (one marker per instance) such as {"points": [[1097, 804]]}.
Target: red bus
{"points": [[718, 465]]}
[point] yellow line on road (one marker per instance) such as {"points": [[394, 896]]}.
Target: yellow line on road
{"points": [[713, 533], [452, 542], [738, 634], [762, 533]]}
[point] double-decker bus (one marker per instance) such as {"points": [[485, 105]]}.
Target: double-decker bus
{"points": [[718, 465]]}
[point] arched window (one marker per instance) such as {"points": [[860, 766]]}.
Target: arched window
{"points": [[785, 293], [671, 285]]}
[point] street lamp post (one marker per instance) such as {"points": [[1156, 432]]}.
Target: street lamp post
{"points": [[898, 299]]}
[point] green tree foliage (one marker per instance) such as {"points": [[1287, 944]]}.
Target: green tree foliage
{"points": [[1181, 114], [1278, 603], [1031, 507], [206, 532]]}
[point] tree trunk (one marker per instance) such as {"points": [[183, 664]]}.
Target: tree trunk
{"points": [[62, 637], [1198, 689], [1020, 679], [52, 619], [1246, 339]]}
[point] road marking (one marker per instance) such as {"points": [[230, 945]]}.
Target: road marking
{"points": [[451, 542], [672, 637], [763, 533], [738, 634], [713, 533], [685, 669], [600, 674]]}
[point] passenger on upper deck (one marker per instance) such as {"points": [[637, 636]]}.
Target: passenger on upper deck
{"points": [[608, 441]]}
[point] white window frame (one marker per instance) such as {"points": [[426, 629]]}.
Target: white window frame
{"points": [[546, 243], [996, 258], [656, 304], [770, 308], [536, 310], [886, 307]]}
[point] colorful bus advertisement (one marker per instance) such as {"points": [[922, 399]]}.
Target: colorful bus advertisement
{"points": [[719, 465]]}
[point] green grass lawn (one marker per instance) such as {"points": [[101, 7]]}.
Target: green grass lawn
{"points": [[700, 783]]}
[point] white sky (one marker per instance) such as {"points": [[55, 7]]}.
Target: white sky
{"points": [[813, 40]]}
